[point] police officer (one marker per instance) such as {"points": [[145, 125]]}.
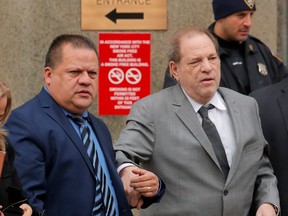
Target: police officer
{"points": [[246, 62]]}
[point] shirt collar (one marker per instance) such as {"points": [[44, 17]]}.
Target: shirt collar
{"points": [[84, 114], [216, 101]]}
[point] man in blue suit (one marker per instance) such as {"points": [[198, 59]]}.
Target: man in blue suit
{"points": [[57, 174]]}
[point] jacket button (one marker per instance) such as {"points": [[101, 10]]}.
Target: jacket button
{"points": [[225, 192]]}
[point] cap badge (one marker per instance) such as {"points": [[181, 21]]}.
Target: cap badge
{"points": [[249, 3]]}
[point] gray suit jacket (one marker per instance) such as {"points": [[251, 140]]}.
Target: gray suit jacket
{"points": [[164, 135]]}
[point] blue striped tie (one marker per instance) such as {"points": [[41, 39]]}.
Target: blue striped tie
{"points": [[103, 193]]}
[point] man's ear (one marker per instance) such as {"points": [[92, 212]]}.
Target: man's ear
{"points": [[47, 75], [173, 70]]}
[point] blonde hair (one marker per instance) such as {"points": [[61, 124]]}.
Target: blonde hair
{"points": [[4, 92]]}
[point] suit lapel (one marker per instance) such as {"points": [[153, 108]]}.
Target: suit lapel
{"points": [[187, 115], [55, 112]]}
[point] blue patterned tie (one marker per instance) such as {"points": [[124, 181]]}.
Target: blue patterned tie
{"points": [[103, 193]]}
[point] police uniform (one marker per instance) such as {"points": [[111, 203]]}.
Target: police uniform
{"points": [[244, 67]]}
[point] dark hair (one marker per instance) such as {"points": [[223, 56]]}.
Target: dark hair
{"points": [[54, 54], [173, 52]]}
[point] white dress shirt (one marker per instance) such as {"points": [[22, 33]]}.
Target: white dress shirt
{"points": [[220, 117]]}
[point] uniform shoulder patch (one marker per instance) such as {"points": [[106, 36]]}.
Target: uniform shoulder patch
{"points": [[277, 57]]}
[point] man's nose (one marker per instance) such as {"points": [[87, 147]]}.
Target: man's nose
{"points": [[248, 21], [84, 77], [206, 65]]}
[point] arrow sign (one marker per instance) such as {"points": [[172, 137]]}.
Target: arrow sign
{"points": [[113, 16]]}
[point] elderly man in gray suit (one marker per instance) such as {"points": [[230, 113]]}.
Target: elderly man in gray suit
{"points": [[166, 133]]}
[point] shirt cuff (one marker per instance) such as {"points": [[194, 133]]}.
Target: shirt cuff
{"points": [[276, 209], [122, 166]]}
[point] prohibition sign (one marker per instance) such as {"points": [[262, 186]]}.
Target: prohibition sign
{"points": [[133, 76], [116, 75]]}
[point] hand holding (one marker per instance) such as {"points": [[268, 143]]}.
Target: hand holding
{"points": [[145, 182], [133, 196]]}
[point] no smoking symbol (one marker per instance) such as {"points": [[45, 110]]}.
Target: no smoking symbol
{"points": [[133, 76], [116, 76]]}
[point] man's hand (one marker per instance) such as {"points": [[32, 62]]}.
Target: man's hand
{"points": [[26, 209], [133, 196], [146, 183], [138, 182], [1, 213], [266, 210]]}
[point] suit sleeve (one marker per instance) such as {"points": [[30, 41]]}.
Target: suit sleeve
{"points": [[136, 143], [266, 183], [29, 161]]}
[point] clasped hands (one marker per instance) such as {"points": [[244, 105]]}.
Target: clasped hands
{"points": [[138, 183]]}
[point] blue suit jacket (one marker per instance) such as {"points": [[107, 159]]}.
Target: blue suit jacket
{"points": [[52, 163]]}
